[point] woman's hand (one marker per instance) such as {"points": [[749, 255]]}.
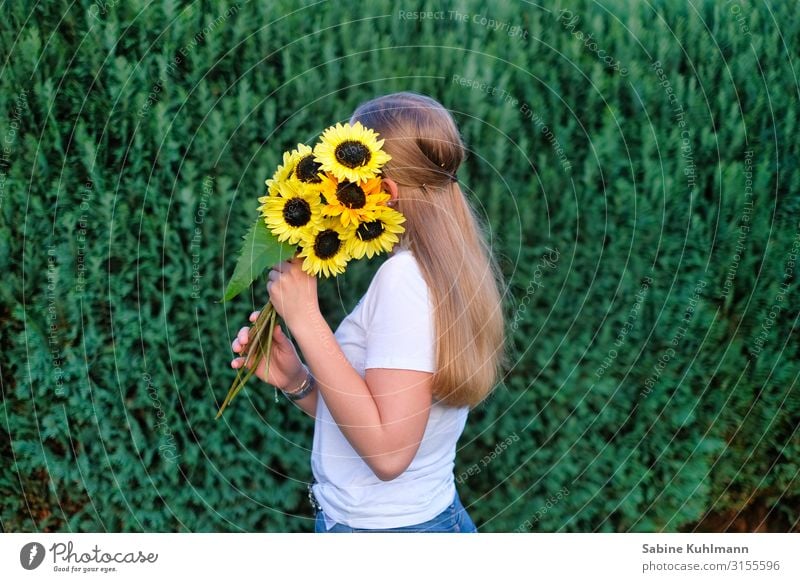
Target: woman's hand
{"points": [[286, 371], [293, 293]]}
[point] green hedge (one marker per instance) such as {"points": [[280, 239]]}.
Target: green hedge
{"points": [[641, 192]]}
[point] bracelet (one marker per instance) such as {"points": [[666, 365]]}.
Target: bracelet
{"points": [[304, 390]]}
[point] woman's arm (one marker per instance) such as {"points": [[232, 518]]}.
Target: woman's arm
{"points": [[383, 415], [286, 371]]}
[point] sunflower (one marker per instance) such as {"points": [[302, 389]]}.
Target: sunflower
{"points": [[292, 213], [351, 152], [307, 170], [373, 237], [325, 250], [352, 202], [284, 170]]}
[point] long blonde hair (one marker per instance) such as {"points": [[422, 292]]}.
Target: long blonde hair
{"points": [[444, 235]]}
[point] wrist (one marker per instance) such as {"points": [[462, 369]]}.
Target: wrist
{"points": [[294, 384], [303, 390], [313, 327], [302, 317]]}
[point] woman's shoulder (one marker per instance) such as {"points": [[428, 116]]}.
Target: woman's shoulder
{"points": [[399, 279], [400, 268]]}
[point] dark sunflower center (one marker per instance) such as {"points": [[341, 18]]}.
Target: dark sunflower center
{"points": [[352, 154], [307, 170], [327, 244], [296, 212], [351, 195], [369, 230]]}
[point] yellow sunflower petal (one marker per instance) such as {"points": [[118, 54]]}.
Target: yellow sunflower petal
{"points": [[286, 169], [307, 171], [352, 202], [292, 213], [351, 152], [376, 236], [324, 250]]}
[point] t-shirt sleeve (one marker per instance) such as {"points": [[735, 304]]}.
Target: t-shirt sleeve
{"points": [[399, 319]]}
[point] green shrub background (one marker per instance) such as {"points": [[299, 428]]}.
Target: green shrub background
{"points": [[128, 180]]}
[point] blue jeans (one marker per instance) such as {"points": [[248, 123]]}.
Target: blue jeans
{"points": [[454, 519]]}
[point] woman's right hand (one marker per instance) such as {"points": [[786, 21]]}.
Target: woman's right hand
{"points": [[286, 371]]}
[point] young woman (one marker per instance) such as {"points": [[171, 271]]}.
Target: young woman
{"points": [[391, 388]]}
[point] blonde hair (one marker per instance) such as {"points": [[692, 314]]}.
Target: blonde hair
{"points": [[444, 235]]}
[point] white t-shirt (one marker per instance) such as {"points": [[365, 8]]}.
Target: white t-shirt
{"points": [[391, 327]]}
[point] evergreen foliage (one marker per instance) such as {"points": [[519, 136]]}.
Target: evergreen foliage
{"points": [[640, 189]]}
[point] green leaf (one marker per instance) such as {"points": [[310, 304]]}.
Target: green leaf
{"points": [[260, 251]]}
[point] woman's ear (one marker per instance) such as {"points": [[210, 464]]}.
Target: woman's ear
{"points": [[390, 187]]}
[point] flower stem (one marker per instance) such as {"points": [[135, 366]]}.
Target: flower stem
{"points": [[258, 348]]}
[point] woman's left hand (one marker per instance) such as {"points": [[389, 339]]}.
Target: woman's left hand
{"points": [[293, 292]]}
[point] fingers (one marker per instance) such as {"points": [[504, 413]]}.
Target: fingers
{"points": [[288, 264], [241, 340], [274, 274], [237, 363], [254, 316], [238, 345]]}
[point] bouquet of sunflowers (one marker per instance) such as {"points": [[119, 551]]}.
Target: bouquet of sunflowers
{"points": [[324, 204]]}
